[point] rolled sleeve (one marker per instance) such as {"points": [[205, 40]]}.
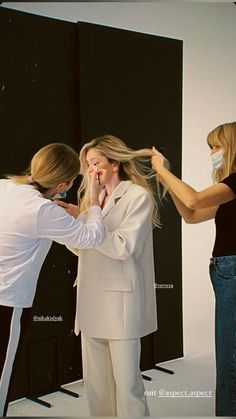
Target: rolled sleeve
{"points": [[54, 223]]}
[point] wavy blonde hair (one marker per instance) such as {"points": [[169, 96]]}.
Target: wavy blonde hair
{"points": [[133, 165], [224, 136], [52, 164]]}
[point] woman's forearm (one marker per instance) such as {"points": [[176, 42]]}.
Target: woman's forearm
{"points": [[185, 193], [191, 216], [184, 212]]}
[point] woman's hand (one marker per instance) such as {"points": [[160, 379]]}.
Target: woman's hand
{"points": [[158, 160], [70, 208], [94, 187]]}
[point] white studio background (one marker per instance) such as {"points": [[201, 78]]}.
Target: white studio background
{"points": [[208, 31]]}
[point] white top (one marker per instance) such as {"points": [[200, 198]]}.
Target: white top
{"points": [[28, 225]]}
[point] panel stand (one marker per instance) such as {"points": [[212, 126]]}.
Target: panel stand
{"points": [[39, 401], [69, 392], [35, 398], [146, 377], [164, 370], [156, 367], [46, 404]]}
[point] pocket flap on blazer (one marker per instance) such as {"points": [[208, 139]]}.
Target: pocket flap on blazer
{"points": [[116, 284]]}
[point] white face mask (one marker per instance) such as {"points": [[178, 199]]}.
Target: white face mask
{"points": [[217, 159]]}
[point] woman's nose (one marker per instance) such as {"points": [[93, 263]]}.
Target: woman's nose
{"points": [[90, 168], [214, 149]]}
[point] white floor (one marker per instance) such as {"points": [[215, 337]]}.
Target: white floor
{"points": [[187, 393]]}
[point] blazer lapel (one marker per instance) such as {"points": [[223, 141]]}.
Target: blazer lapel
{"points": [[118, 192]]}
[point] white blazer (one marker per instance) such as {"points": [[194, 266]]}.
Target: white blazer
{"points": [[116, 296]]}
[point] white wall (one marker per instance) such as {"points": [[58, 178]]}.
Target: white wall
{"points": [[209, 93]]}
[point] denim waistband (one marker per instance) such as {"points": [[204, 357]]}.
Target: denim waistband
{"points": [[223, 259]]}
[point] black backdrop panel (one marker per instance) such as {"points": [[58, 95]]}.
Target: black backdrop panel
{"points": [[39, 104], [68, 82], [131, 86], [39, 85]]}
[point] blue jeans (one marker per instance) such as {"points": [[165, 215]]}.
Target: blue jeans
{"points": [[223, 277]]}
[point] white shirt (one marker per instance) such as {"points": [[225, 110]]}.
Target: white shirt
{"points": [[28, 225]]}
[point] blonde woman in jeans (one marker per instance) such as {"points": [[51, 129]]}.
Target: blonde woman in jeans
{"points": [[218, 202]]}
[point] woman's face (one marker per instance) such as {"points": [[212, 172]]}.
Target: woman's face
{"points": [[96, 161]]}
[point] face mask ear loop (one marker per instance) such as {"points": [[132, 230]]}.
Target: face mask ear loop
{"points": [[63, 195]]}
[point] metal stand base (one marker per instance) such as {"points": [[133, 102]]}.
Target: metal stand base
{"points": [[164, 370], [46, 404], [146, 377], [39, 401], [70, 393]]}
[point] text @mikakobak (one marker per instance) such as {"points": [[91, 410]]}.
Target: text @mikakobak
{"points": [[47, 318], [196, 394]]}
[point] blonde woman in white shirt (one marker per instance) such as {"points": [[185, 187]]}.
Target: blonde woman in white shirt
{"points": [[29, 222]]}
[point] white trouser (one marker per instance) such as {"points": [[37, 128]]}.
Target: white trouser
{"points": [[112, 378]]}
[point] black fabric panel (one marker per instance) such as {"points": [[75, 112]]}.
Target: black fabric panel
{"points": [[39, 104], [131, 86]]}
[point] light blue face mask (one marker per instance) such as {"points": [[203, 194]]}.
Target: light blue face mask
{"points": [[217, 159], [63, 195]]}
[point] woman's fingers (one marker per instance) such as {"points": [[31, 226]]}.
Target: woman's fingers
{"points": [[60, 203], [155, 151], [70, 208]]}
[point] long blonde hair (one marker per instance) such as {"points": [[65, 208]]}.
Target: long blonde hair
{"points": [[224, 136], [51, 165], [134, 165]]}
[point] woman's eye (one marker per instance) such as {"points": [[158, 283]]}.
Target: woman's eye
{"points": [[92, 164]]}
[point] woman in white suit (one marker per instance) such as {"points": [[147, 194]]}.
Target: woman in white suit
{"points": [[116, 301]]}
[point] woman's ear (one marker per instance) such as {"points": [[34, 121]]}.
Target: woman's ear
{"points": [[115, 167], [61, 187]]}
